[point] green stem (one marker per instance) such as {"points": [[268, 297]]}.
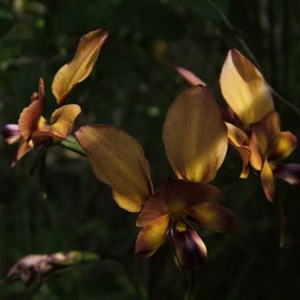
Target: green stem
{"points": [[71, 143], [250, 54], [281, 218], [189, 291]]}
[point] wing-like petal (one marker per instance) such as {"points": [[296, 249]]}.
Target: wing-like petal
{"points": [[195, 136], [285, 143], [213, 216], [118, 160], [62, 120], [151, 237], [244, 88], [81, 65]]}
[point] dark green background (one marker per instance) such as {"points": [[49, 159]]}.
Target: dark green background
{"points": [[132, 86]]}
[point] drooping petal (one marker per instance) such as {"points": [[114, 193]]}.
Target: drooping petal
{"points": [[81, 65], [118, 160], [11, 133], [240, 141], [244, 88], [285, 143], [24, 148], [213, 216], [195, 136], [189, 77], [288, 172], [189, 247], [151, 237], [267, 181], [62, 120], [29, 118]]}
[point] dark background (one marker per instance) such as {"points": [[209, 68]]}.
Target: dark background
{"points": [[132, 86]]}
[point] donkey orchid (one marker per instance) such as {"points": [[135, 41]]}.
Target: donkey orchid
{"points": [[33, 129], [257, 137], [195, 140], [253, 125]]}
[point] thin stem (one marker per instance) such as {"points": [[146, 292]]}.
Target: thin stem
{"points": [[189, 291], [281, 218], [250, 54]]}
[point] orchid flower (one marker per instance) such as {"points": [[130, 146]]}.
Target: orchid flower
{"points": [[195, 140], [33, 129], [253, 125], [258, 137]]}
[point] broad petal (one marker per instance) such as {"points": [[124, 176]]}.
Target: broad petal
{"points": [[190, 249], [151, 237], [267, 181], [189, 77], [213, 216], [195, 135], [81, 65], [288, 172], [118, 160], [29, 118], [285, 143], [240, 141], [244, 88], [62, 120]]}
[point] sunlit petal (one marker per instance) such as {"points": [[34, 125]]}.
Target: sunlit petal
{"points": [[240, 141], [195, 135], [62, 120], [285, 143], [288, 172], [189, 247], [244, 88], [29, 118], [189, 77], [267, 181], [81, 65], [151, 237], [213, 216], [118, 160]]}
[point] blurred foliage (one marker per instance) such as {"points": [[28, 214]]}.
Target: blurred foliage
{"points": [[132, 86]]}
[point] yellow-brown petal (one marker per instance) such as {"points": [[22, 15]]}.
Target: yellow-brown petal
{"points": [[118, 160], [244, 88], [29, 118], [195, 135], [267, 181], [81, 65], [213, 216], [151, 237], [284, 144], [189, 77], [62, 120], [240, 141]]}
